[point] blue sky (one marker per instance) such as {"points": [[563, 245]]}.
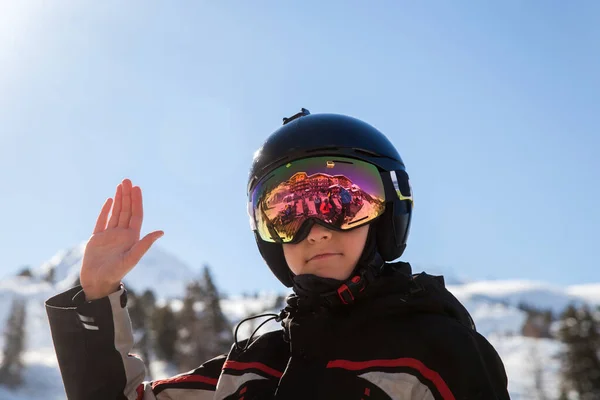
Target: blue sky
{"points": [[495, 109]]}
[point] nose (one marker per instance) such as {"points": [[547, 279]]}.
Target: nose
{"points": [[318, 233]]}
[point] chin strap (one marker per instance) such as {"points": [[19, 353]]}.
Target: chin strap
{"points": [[349, 291]]}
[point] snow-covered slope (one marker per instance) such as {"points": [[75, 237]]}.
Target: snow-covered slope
{"points": [[491, 303], [523, 357], [590, 292], [537, 294]]}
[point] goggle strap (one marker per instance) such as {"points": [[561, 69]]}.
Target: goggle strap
{"points": [[394, 188], [388, 186], [403, 186]]}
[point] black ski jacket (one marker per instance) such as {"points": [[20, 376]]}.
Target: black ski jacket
{"points": [[404, 338]]}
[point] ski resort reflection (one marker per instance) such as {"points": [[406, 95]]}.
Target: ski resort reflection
{"points": [[334, 199]]}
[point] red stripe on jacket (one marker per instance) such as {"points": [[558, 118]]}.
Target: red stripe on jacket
{"points": [[140, 392], [429, 374], [240, 366], [186, 378]]}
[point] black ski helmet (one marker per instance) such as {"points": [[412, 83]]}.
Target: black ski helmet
{"points": [[307, 135]]}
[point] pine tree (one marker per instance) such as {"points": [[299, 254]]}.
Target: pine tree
{"points": [[25, 272], [14, 345], [204, 332], [148, 304], [219, 328], [135, 309], [537, 371], [189, 350], [280, 302], [149, 300], [538, 322], [563, 394], [580, 333], [195, 291], [50, 275], [164, 325], [141, 308]]}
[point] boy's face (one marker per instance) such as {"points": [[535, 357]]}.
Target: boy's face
{"points": [[327, 253]]}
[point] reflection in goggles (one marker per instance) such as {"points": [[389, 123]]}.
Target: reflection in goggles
{"points": [[336, 200]]}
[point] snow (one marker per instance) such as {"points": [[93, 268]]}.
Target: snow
{"points": [[66, 265], [491, 318], [493, 305], [41, 372], [513, 292], [590, 292], [238, 307], [42, 377], [162, 370], [521, 357]]}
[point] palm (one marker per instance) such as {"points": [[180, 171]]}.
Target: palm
{"points": [[115, 248]]}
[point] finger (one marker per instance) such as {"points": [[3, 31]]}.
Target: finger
{"points": [[103, 217], [114, 218], [137, 209], [135, 254], [125, 214]]}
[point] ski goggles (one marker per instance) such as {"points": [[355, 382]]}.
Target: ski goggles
{"points": [[342, 193]]}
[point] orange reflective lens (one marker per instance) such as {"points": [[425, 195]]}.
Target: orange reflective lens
{"points": [[343, 193]]}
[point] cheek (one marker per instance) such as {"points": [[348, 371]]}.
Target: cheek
{"points": [[356, 242], [293, 258]]}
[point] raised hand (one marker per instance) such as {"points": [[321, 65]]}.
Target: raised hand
{"points": [[115, 248]]}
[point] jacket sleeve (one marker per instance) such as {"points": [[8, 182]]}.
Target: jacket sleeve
{"points": [[93, 339], [492, 367], [448, 361], [471, 368]]}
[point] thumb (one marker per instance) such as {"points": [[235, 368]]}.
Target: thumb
{"points": [[135, 254]]}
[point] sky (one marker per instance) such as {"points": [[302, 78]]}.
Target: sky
{"points": [[494, 107]]}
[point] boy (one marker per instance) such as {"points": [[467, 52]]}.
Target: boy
{"points": [[356, 327]]}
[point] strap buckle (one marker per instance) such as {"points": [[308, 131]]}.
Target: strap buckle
{"points": [[347, 291]]}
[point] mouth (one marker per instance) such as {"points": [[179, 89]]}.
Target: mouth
{"points": [[323, 256]]}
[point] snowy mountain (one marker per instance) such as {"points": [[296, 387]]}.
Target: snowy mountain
{"points": [[537, 294], [162, 272], [590, 292], [493, 305]]}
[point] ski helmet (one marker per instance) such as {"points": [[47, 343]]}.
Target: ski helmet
{"points": [[310, 135]]}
